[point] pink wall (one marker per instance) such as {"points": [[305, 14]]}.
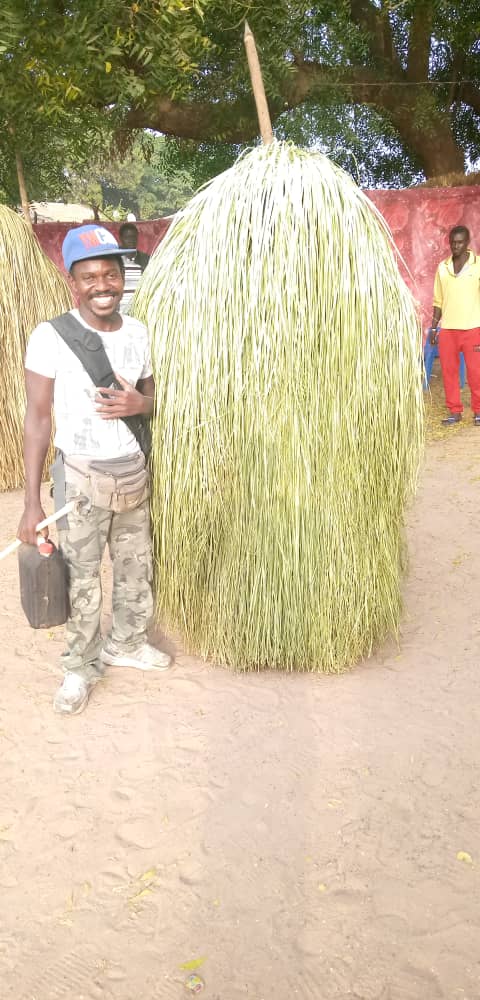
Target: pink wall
{"points": [[52, 234], [420, 220]]}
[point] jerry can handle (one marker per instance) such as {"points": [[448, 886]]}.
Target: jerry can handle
{"points": [[42, 524]]}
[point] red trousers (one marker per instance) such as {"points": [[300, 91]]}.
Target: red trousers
{"points": [[450, 343]]}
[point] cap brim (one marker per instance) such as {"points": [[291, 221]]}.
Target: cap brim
{"points": [[95, 253]]}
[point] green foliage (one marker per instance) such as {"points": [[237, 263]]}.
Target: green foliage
{"points": [[338, 54], [355, 137], [139, 181], [97, 51], [47, 148], [200, 161], [410, 70], [70, 72]]}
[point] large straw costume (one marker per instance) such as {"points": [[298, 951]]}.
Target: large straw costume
{"points": [[32, 290], [289, 412]]}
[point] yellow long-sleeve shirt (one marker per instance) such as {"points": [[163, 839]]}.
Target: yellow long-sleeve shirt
{"points": [[458, 295]]}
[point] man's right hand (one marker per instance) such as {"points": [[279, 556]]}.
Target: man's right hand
{"points": [[433, 337], [32, 515]]}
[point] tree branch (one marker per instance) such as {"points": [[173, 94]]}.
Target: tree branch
{"points": [[390, 52], [231, 121], [368, 19], [235, 121], [375, 24], [419, 41], [470, 94]]}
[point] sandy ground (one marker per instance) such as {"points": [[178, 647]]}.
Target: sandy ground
{"points": [[298, 835]]}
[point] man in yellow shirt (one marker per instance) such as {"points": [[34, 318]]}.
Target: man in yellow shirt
{"points": [[456, 301]]}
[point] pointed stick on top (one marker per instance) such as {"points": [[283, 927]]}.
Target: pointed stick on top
{"points": [[263, 113]]}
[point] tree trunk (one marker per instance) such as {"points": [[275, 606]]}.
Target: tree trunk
{"points": [[435, 146], [22, 187], [439, 158]]}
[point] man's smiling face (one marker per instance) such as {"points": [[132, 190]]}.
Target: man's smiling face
{"points": [[98, 284]]}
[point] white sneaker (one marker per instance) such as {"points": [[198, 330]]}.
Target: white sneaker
{"points": [[145, 657], [72, 696]]}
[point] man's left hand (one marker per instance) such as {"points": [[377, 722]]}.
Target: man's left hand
{"points": [[115, 404]]}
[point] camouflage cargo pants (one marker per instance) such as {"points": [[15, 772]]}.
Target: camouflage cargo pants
{"points": [[127, 534]]}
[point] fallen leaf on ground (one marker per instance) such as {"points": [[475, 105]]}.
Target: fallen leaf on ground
{"points": [[193, 964], [147, 876], [140, 895]]}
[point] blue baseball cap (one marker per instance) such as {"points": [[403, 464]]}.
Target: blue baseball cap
{"points": [[86, 242]]}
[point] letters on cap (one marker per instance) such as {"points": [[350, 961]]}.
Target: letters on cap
{"points": [[87, 242]]}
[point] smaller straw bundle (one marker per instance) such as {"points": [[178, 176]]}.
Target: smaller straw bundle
{"points": [[31, 290]]}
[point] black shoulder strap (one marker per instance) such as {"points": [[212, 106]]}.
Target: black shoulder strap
{"points": [[87, 346]]}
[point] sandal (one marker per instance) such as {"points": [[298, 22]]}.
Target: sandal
{"points": [[455, 418]]}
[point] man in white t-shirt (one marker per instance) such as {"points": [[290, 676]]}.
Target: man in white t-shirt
{"points": [[135, 262], [93, 444]]}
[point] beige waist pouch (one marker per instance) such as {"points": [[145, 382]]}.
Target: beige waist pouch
{"points": [[114, 484]]}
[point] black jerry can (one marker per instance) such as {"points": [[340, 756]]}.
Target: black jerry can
{"points": [[43, 584]]}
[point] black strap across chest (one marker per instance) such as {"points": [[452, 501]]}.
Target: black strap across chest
{"points": [[87, 346]]}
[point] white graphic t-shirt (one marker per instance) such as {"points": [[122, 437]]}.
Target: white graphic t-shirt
{"points": [[79, 428], [133, 274]]}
